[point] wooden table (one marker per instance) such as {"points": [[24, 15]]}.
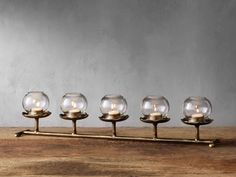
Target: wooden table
{"points": [[51, 156]]}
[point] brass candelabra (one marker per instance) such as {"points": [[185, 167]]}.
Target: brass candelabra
{"points": [[113, 136], [113, 109]]}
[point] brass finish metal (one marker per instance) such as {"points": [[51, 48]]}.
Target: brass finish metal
{"points": [[74, 119], [36, 112], [113, 119], [197, 137], [114, 129], [205, 121], [37, 116], [211, 143], [188, 121], [148, 119], [196, 119], [36, 124], [78, 117], [155, 122], [73, 114], [154, 117]]}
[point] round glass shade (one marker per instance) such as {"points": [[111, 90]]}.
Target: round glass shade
{"points": [[113, 105], [35, 101], [154, 105], [74, 102], [197, 107]]}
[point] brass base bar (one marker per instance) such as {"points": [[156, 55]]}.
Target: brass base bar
{"points": [[211, 143]]}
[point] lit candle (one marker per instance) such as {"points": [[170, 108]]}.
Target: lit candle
{"points": [[197, 117], [73, 113], [36, 110], [74, 110], [155, 115], [113, 111]]}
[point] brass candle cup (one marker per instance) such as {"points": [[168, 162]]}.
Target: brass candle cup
{"points": [[196, 119], [155, 120], [111, 116], [73, 114], [155, 117], [36, 116], [36, 112]]}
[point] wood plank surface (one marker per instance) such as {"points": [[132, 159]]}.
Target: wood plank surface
{"points": [[52, 156]]}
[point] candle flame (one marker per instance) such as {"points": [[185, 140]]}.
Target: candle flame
{"points": [[73, 104], [113, 106], [155, 108], [197, 109], [36, 102]]}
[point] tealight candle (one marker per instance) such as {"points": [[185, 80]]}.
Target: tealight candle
{"points": [[197, 117], [155, 115], [73, 112], [114, 112], [36, 110]]}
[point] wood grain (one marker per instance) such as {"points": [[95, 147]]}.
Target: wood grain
{"points": [[48, 156]]}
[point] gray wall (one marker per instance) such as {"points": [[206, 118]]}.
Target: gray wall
{"points": [[175, 48]]}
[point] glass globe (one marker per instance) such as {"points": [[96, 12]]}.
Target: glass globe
{"points": [[74, 103], [155, 106], [113, 105], [35, 102], [197, 107]]}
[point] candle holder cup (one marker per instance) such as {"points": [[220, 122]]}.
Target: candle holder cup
{"points": [[197, 125], [113, 119], [74, 119], [155, 121], [36, 116]]}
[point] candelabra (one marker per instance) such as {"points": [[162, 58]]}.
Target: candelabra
{"points": [[155, 110]]}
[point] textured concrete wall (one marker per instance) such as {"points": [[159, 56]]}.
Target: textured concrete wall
{"points": [[175, 48]]}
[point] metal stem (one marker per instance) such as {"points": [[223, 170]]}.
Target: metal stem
{"points": [[74, 127], [197, 133], [155, 130], [114, 128], [36, 124]]}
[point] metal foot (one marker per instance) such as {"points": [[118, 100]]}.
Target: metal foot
{"points": [[211, 145], [19, 134]]}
